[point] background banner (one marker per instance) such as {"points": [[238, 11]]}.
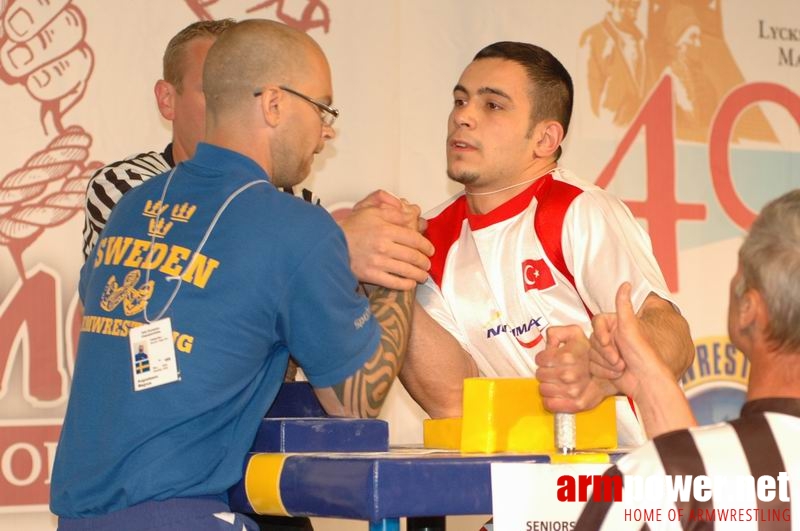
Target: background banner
{"points": [[687, 109]]}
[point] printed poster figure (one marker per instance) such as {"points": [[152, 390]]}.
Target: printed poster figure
{"points": [[623, 65], [616, 65], [141, 361], [314, 13], [43, 48]]}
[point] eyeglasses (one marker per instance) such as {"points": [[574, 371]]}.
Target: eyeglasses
{"points": [[327, 113]]}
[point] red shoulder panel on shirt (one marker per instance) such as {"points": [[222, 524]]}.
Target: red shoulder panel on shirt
{"points": [[443, 231], [553, 199]]}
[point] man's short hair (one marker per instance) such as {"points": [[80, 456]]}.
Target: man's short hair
{"points": [[251, 54], [770, 262], [551, 85], [174, 63]]}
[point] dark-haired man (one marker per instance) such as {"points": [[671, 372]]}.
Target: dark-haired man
{"points": [[179, 96], [527, 247]]}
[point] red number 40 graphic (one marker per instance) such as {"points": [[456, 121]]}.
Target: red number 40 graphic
{"points": [[661, 208]]}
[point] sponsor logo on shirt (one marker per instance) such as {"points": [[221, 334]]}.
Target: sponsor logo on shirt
{"points": [[527, 334], [362, 320]]}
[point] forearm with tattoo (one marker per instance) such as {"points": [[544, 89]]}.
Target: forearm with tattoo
{"points": [[363, 393]]}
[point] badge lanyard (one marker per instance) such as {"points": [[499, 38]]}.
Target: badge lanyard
{"points": [[200, 246], [153, 359]]}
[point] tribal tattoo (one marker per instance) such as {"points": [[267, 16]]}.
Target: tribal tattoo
{"points": [[363, 393]]}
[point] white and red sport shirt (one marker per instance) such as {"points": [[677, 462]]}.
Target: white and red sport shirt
{"points": [[555, 254]]}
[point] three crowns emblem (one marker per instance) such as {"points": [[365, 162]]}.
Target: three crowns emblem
{"points": [[158, 226]]}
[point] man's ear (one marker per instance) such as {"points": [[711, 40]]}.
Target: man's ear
{"points": [[272, 105], [759, 311], [165, 98], [751, 311], [548, 135]]}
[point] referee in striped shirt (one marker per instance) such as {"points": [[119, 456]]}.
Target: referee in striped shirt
{"points": [[180, 100], [764, 323]]}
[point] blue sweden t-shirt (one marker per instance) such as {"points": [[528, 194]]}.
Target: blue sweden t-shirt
{"points": [[273, 278]]}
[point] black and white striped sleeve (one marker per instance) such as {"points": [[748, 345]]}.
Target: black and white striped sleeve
{"points": [[726, 455], [109, 184]]}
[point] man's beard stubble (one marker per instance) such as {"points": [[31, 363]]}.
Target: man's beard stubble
{"points": [[464, 178], [288, 169]]}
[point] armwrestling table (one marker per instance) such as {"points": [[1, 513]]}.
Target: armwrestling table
{"points": [[379, 487], [344, 468]]}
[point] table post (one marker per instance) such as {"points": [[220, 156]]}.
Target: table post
{"points": [[387, 524]]}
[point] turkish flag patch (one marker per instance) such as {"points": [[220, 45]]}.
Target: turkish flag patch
{"points": [[536, 275]]}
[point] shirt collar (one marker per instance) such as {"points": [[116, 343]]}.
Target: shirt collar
{"points": [[167, 154], [510, 208], [787, 406], [209, 158]]}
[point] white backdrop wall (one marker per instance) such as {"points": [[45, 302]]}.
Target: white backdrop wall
{"points": [[86, 98]]}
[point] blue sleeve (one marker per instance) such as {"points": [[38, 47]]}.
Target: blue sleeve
{"points": [[327, 326], [83, 282]]}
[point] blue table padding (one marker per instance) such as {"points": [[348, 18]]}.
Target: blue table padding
{"points": [[386, 485], [297, 435]]}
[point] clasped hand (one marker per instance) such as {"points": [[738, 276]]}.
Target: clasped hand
{"points": [[386, 245]]}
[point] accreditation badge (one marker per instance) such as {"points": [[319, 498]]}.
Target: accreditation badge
{"points": [[153, 359]]}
